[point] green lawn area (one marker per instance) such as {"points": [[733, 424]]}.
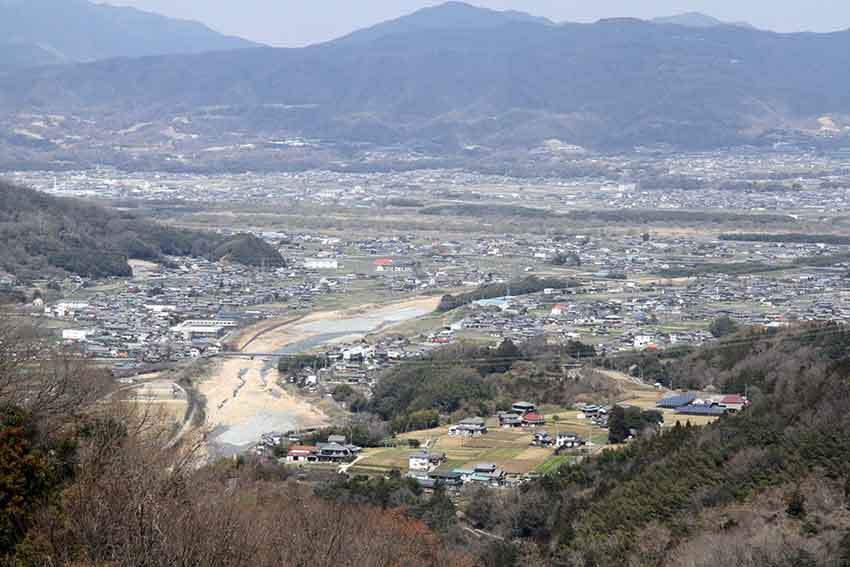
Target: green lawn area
{"points": [[599, 437], [451, 465], [366, 470], [554, 463]]}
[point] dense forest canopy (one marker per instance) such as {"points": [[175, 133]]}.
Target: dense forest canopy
{"points": [[44, 235]]}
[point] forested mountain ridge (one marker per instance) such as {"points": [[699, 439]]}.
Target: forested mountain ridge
{"points": [[482, 79], [44, 235], [42, 32]]}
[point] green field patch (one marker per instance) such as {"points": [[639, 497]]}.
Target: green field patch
{"points": [[359, 469], [552, 465], [451, 464]]}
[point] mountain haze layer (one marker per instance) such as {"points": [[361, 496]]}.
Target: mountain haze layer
{"points": [[40, 32], [697, 20], [448, 16]]}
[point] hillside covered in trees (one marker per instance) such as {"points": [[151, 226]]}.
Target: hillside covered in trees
{"points": [[468, 380], [44, 235], [88, 482], [84, 482], [768, 486]]}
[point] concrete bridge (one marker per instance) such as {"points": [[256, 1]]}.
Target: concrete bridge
{"points": [[251, 355]]}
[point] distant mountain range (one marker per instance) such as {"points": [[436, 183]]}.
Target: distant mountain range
{"points": [[698, 20], [42, 32], [447, 16], [453, 76]]}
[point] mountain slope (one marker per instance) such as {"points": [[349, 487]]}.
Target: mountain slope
{"points": [[448, 16], [613, 84], [37, 32]]}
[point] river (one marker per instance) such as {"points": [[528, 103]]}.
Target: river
{"points": [[243, 399]]}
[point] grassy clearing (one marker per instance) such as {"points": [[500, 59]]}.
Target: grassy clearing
{"points": [[553, 464], [671, 419], [108, 288], [386, 459], [361, 292]]}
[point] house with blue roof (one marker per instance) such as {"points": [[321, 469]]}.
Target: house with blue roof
{"points": [[677, 401]]}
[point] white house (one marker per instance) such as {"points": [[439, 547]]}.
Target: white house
{"points": [[568, 440], [419, 462], [75, 334], [161, 308], [67, 308], [425, 461], [469, 427], [321, 264], [302, 454], [200, 328]]}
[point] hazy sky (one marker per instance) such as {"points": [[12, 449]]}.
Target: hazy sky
{"points": [[290, 23]]}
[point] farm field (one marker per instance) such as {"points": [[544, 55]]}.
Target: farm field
{"points": [[509, 449]]}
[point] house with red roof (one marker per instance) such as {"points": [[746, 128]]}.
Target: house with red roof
{"points": [[533, 419], [302, 454], [558, 309], [734, 402]]}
